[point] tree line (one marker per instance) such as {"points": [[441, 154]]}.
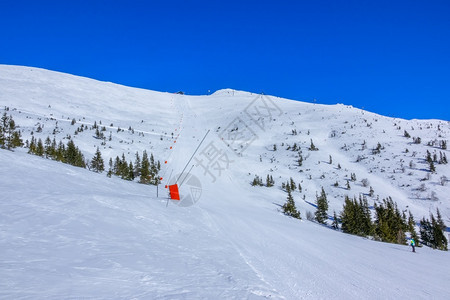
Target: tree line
{"points": [[146, 169]]}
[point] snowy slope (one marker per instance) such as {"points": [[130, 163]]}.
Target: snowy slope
{"points": [[69, 232]]}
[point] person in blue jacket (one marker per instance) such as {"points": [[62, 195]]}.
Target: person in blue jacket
{"points": [[413, 245]]}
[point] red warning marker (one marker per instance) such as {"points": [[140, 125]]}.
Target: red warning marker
{"points": [[165, 162], [165, 186], [174, 142], [174, 193], [160, 178]]}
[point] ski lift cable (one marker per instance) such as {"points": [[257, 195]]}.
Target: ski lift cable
{"points": [[193, 155], [187, 175]]}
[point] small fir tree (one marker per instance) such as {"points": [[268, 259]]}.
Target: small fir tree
{"points": [[322, 207], [97, 163], [289, 208]]}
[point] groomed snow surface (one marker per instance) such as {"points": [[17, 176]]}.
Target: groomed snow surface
{"points": [[69, 233]]}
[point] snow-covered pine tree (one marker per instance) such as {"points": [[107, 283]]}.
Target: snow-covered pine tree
{"points": [[292, 184], [322, 207], [389, 222], [145, 169], [269, 181], [130, 171], [97, 163], [300, 159], [39, 148], [312, 147], [3, 122], [110, 170], [412, 229], [137, 165], [289, 207]]}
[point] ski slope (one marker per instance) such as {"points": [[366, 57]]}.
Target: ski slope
{"points": [[67, 232]]}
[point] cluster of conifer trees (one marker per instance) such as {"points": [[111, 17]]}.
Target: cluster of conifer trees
{"points": [[390, 224], [69, 154], [432, 160], [258, 181], [146, 169], [432, 232], [9, 136]]}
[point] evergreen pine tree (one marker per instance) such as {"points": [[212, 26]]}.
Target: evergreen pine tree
{"points": [[300, 159], [97, 163], [39, 148], [123, 170], [439, 240], [32, 147], [60, 152], [137, 165], [16, 140], [432, 167], [131, 171], [9, 137], [289, 208], [426, 232], [390, 223], [145, 169], [53, 148], [365, 217], [312, 147], [3, 126], [356, 217], [335, 223], [439, 220], [322, 208], [48, 147], [11, 126], [256, 181], [348, 217], [116, 166], [110, 170], [439, 229], [412, 229], [292, 184], [71, 153]]}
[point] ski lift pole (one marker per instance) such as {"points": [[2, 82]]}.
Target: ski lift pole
{"points": [[167, 204], [193, 155]]}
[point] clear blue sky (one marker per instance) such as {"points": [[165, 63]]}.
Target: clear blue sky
{"points": [[389, 57]]}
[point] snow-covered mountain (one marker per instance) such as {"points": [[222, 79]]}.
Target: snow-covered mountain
{"points": [[69, 232]]}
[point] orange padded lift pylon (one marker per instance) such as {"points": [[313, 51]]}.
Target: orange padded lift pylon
{"points": [[174, 194]]}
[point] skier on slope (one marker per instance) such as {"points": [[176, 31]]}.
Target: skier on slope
{"points": [[413, 245]]}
